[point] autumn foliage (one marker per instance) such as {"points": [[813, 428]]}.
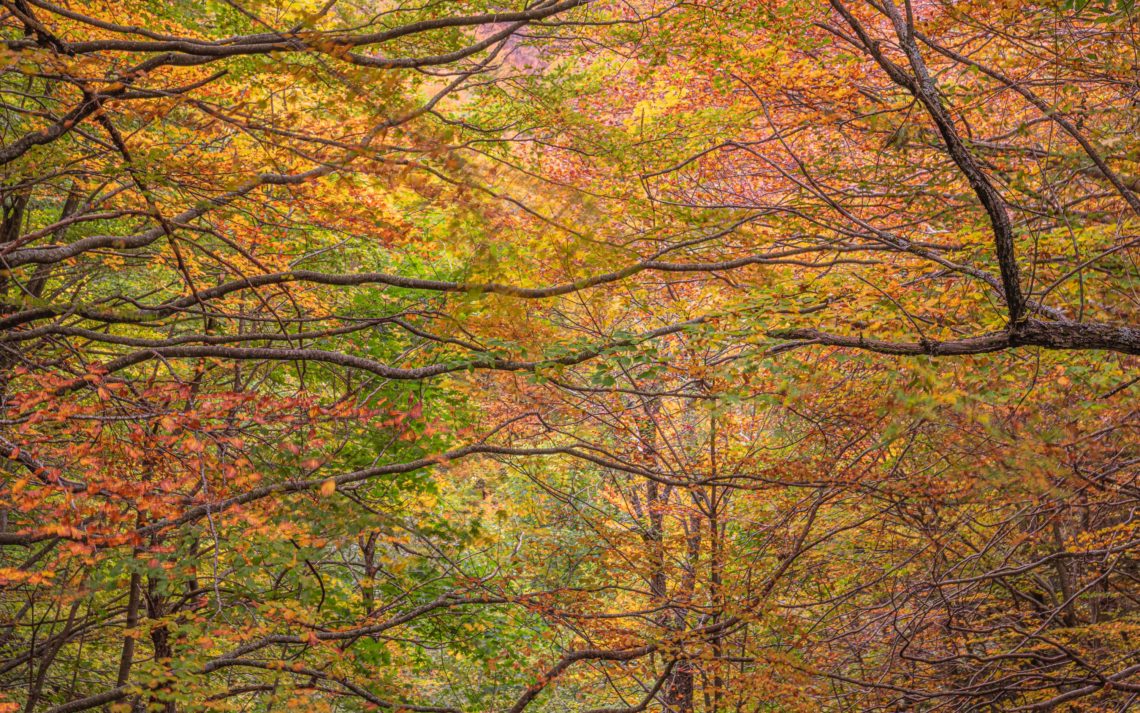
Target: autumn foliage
{"points": [[569, 355]]}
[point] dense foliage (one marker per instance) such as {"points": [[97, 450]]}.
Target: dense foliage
{"points": [[587, 355]]}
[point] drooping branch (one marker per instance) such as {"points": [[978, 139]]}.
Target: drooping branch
{"points": [[1127, 192], [172, 52], [350, 361]]}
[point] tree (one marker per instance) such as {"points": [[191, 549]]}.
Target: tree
{"points": [[568, 355]]}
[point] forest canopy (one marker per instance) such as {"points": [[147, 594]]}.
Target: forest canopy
{"points": [[569, 355]]}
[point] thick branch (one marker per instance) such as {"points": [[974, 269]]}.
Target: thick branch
{"points": [[1029, 333]]}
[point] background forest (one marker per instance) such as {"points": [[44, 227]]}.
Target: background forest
{"points": [[569, 355]]}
